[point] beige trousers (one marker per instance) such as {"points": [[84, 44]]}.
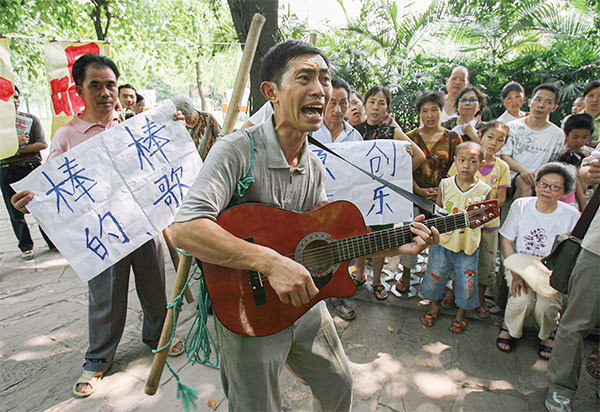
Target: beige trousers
{"points": [[545, 311]]}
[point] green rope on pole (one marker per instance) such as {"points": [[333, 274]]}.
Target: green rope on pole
{"points": [[247, 180], [187, 395], [181, 252], [199, 338]]}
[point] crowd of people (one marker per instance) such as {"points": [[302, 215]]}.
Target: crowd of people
{"points": [[541, 174]]}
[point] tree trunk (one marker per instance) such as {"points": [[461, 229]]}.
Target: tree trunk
{"points": [[199, 83], [96, 15], [242, 12]]}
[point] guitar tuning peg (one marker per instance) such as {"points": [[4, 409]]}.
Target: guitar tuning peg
{"points": [[475, 207], [491, 215], [478, 222]]}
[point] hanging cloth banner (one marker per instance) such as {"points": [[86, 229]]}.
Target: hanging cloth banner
{"points": [[9, 143], [60, 57]]}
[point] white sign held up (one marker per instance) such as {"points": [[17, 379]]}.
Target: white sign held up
{"points": [[109, 195], [387, 159]]}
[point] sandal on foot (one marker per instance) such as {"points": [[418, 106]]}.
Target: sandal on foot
{"points": [[176, 352], [402, 285], [380, 292], [482, 312], [510, 341], [91, 378], [357, 283], [545, 349], [592, 365], [448, 301], [429, 319], [342, 309], [457, 326]]}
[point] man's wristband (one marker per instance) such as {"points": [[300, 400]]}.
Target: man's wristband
{"points": [[22, 146]]}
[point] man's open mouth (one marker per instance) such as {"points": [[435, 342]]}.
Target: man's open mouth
{"points": [[313, 111]]}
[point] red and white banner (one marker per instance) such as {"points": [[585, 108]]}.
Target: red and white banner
{"points": [[60, 57], [8, 133]]}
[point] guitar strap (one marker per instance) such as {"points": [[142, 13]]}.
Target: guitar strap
{"points": [[424, 204]]}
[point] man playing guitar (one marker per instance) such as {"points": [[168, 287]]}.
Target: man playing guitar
{"points": [[296, 80]]}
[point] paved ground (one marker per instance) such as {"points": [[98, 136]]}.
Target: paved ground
{"points": [[397, 364]]}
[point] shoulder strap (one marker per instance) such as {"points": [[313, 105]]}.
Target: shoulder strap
{"points": [[588, 214], [424, 204]]}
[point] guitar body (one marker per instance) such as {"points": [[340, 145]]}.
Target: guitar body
{"points": [[245, 303]]}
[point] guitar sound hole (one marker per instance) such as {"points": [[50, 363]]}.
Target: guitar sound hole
{"points": [[317, 256]]}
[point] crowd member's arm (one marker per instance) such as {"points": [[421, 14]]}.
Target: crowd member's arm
{"points": [[590, 170], [501, 196], [417, 154], [29, 147], [527, 175], [470, 131], [428, 193], [580, 195], [508, 248]]}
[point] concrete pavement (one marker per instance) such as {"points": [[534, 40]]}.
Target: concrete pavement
{"points": [[397, 364]]}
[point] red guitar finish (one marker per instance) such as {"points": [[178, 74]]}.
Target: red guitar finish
{"points": [[322, 240], [282, 230]]}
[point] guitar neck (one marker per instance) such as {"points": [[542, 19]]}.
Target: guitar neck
{"points": [[352, 247]]}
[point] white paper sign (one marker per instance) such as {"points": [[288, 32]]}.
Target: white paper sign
{"points": [[387, 159], [109, 195]]}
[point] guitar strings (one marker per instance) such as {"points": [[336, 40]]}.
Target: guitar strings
{"points": [[320, 255]]}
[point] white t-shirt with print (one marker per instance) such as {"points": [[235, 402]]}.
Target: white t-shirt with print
{"points": [[534, 231], [532, 148]]}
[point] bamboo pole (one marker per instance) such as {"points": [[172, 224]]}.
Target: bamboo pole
{"points": [[313, 39], [185, 262]]}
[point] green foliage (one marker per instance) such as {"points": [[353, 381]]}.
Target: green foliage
{"points": [[529, 41]]}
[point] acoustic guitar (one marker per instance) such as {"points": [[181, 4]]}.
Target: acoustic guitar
{"points": [[322, 240]]}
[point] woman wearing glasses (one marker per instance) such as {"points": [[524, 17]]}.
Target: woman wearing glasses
{"points": [[469, 104], [530, 228]]}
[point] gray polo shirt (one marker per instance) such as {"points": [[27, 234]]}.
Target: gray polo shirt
{"points": [[275, 183]]}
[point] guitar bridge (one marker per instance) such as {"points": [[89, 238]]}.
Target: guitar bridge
{"points": [[256, 283]]}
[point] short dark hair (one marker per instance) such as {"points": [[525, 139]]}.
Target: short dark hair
{"points": [[376, 89], [579, 121], [275, 62], [138, 97], [493, 124], [480, 97], [430, 97], [96, 60], [463, 68], [566, 171], [512, 87], [572, 157], [471, 144], [127, 86], [551, 87], [337, 83], [590, 86]]}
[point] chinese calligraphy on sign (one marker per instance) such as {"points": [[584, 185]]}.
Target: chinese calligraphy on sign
{"points": [[112, 193], [384, 158]]}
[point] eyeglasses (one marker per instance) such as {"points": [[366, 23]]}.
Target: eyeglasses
{"points": [[471, 100], [543, 185]]}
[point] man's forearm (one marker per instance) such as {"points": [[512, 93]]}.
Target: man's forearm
{"points": [[33, 148], [513, 164], [209, 242]]}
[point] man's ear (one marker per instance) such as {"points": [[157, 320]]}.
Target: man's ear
{"points": [[270, 91], [78, 90]]}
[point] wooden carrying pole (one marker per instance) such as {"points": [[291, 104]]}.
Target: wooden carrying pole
{"points": [[185, 262]]}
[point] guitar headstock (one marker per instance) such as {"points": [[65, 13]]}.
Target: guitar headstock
{"points": [[481, 213]]}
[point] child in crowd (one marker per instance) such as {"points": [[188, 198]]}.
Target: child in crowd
{"points": [[496, 173], [458, 250], [513, 96], [576, 197], [578, 130]]}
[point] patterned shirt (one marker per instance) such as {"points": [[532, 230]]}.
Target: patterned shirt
{"points": [[437, 160]]}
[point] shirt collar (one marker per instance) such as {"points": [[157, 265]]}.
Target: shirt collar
{"points": [[275, 157], [83, 126]]}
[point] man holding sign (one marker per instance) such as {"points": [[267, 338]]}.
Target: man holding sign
{"points": [[96, 82], [296, 80], [15, 168]]}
